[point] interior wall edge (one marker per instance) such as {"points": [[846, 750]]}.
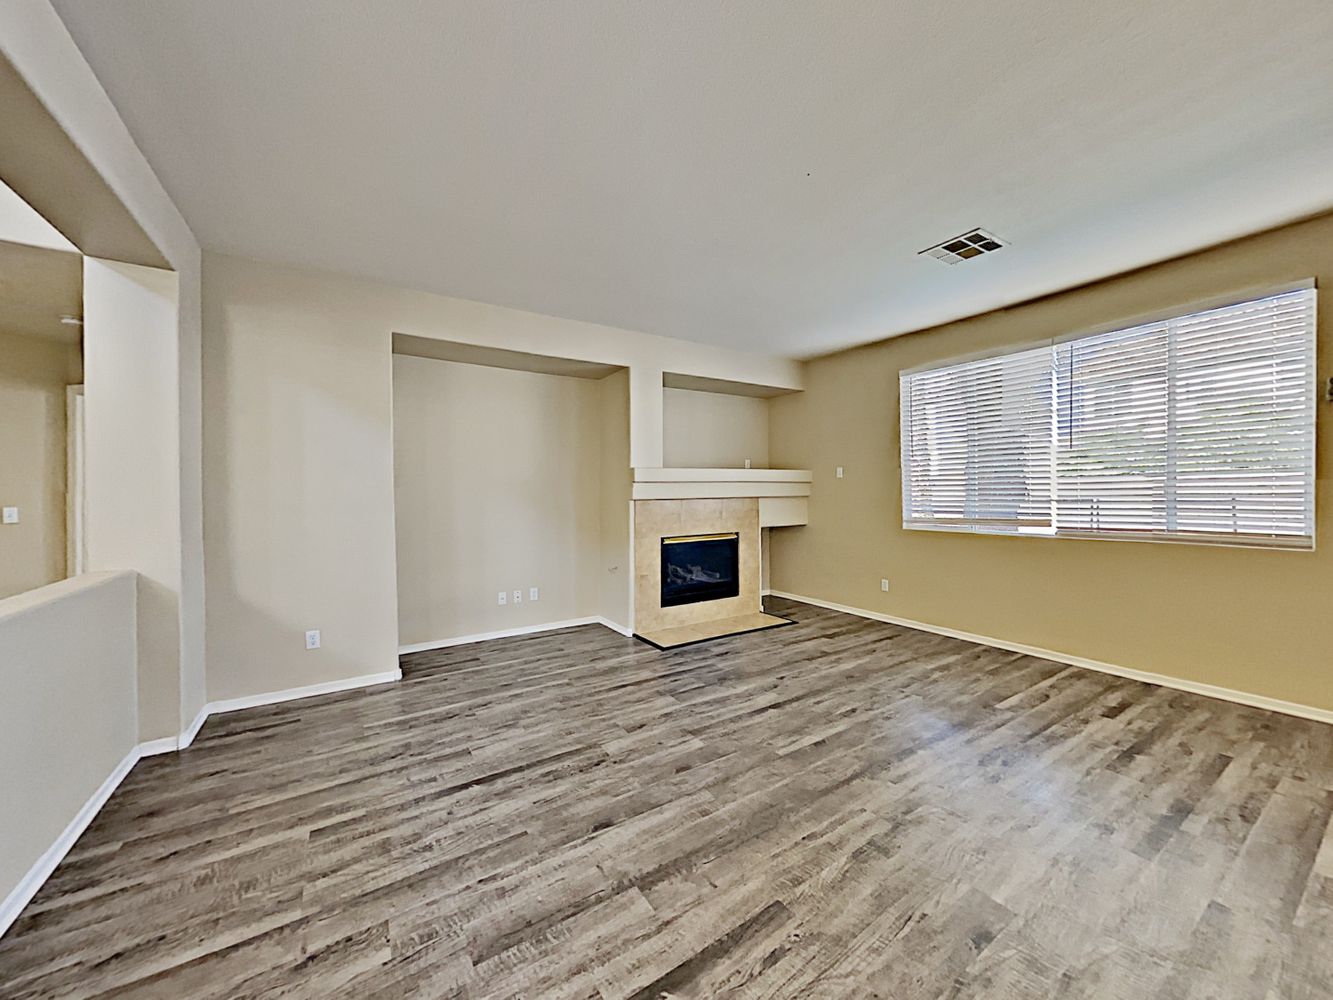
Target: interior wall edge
{"points": [[1249, 698], [80, 162], [615, 626], [192, 730]]}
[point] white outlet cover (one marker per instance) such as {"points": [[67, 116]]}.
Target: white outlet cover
{"points": [[11, 515], [532, 593], [884, 585], [312, 639], [503, 598], [518, 597], [840, 472]]}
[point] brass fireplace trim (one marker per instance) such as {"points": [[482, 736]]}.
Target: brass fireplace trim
{"points": [[716, 537]]}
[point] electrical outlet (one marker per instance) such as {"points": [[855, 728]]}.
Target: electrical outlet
{"points": [[518, 597], [503, 598], [532, 593], [312, 639], [747, 463], [884, 585], [840, 472], [11, 515]]}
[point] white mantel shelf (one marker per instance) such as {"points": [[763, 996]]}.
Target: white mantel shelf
{"points": [[784, 494], [723, 476]]}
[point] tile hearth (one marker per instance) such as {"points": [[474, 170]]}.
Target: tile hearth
{"points": [[669, 625], [688, 635]]}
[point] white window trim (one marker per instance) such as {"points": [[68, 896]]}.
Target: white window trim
{"points": [[1283, 543], [1155, 316]]}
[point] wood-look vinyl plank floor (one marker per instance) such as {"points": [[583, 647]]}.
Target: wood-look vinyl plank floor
{"points": [[837, 808]]}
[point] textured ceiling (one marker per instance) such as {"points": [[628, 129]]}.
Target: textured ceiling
{"points": [[753, 173]]}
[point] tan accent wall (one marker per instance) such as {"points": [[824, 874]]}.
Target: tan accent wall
{"points": [[658, 519], [497, 478], [34, 372], [713, 430], [1249, 620]]}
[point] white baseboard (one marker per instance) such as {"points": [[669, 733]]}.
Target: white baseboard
{"points": [[167, 744], [191, 731], [627, 632], [294, 694], [509, 633], [38, 874], [1163, 680], [46, 864]]}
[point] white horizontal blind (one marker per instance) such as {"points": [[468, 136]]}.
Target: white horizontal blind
{"points": [[1111, 418], [976, 442], [1244, 419], [1199, 427]]}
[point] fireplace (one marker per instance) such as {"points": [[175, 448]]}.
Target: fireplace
{"points": [[700, 568]]}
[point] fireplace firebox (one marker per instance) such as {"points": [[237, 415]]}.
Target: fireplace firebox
{"points": [[700, 568]]}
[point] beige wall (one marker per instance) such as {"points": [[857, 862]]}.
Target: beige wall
{"points": [[298, 483], [67, 716], [298, 454], [131, 466], [497, 479], [36, 42], [1250, 620], [614, 496], [713, 430], [34, 372]]}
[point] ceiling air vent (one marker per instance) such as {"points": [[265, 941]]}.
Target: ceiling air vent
{"points": [[973, 243]]}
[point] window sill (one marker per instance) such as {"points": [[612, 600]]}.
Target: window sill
{"points": [[1291, 543]]}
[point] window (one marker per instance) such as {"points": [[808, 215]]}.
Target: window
{"points": [[1194, 428]]}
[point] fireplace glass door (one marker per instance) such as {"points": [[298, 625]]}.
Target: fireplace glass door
{"points": [[700, 568]]}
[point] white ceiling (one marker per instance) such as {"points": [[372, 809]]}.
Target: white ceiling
{"points": [[20, 223], [754, 173]]}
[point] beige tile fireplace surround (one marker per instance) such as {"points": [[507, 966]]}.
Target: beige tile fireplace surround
{"points": [[682, 624]]}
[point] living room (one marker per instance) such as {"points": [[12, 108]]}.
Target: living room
{"points": [[643, 501]]}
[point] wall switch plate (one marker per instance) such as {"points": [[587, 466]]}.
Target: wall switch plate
{"points": [[312, 639], [11, 515], [884, 585], [532, 593], [747, 463], [503, 598], [840, 472], [518, 597]]}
